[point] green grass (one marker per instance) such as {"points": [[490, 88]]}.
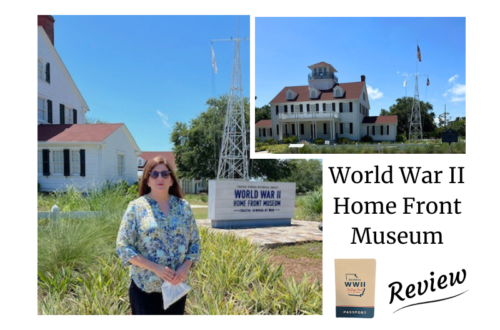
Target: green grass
{"points": [[312, 250], [200, 213]]}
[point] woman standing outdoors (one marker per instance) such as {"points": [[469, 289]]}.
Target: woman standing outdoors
{"points": [[159, 239]]}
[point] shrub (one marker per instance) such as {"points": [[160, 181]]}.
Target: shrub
{"points": [[291, 139], [400, 138], [313, 202], [271, 141], [279, 149], [343, 140], [204, 197], [319, 141], [366, 138]]}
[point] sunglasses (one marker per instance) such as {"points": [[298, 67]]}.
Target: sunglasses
{"points": [[156, 174]]}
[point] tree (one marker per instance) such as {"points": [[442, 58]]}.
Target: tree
{"points": [[307, 174], [262, 113], [402, 108], [91, 120], [197, 146]]}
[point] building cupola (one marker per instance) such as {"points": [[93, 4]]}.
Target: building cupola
{"points": [[322, 76]]}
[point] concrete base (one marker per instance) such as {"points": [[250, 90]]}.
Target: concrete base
{"points": [[251, 223]]}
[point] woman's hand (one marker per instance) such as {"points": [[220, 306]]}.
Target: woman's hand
{"points": [[164, 273], [182, 273]]}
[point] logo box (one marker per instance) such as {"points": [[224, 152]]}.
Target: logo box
{"points": [[355, 287]]}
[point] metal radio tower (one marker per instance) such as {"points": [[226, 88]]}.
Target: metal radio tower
{"points": [[415, 118], [233, 160]]}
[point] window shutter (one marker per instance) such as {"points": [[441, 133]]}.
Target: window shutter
{"points": [[341, 108], [291, 108], [367, 130], [286, 109], [277, 110], [259, 132], [381, 130], [66, 162], [317, 106], [47, 72], [350, 128], [333, 106], [301, 108], [264, 132], [46, 162], [324, 128], [302, 129], [293, 129], [278, 129], [271, 132], [308, 108], [82, 162], [341, 127], [387, 129], [373, 130], [74, 117], [61, 114], [350, 106], [324, 106], [49, 111]]}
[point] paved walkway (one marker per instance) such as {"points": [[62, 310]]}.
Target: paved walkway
{"points": [[299, 232]]}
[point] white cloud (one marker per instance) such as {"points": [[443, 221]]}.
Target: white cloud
{"points": [[397, 72], [374, 93], [457, 89], [164, 119], [452, 79], [458, 99], [457, 92]]}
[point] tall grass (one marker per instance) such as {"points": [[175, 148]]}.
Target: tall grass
{"points": [[313, 202], [428, 147], [79, 273]]}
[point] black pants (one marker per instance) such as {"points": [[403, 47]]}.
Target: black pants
{"points": [[144, 303]]}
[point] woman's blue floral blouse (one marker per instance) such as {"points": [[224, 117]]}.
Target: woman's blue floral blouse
{"points": [[167, 240]]}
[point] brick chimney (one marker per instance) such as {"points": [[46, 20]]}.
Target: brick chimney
{"points": [[47, 22], [362, 77]]}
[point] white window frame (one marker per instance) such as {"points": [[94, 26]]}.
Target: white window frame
{"points": [[313, 94], [289, 95], [75, 162], [68, 112], [337, 92], [41, 69], [121, 167], [40, 162], [57, 163], [42, 110]]}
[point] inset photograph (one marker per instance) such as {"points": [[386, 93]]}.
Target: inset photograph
{"points": [[360, 85]]}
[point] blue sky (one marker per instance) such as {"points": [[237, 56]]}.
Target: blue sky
{"points": [[382, 49], [150, 71]]}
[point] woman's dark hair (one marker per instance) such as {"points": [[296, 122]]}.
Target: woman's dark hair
{"points": [[144, 189]]}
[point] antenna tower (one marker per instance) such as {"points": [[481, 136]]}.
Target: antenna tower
{"points": [[233, 159]]}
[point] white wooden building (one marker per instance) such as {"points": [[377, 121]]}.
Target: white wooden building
{"points": [[326, 109], [71, 152]]}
